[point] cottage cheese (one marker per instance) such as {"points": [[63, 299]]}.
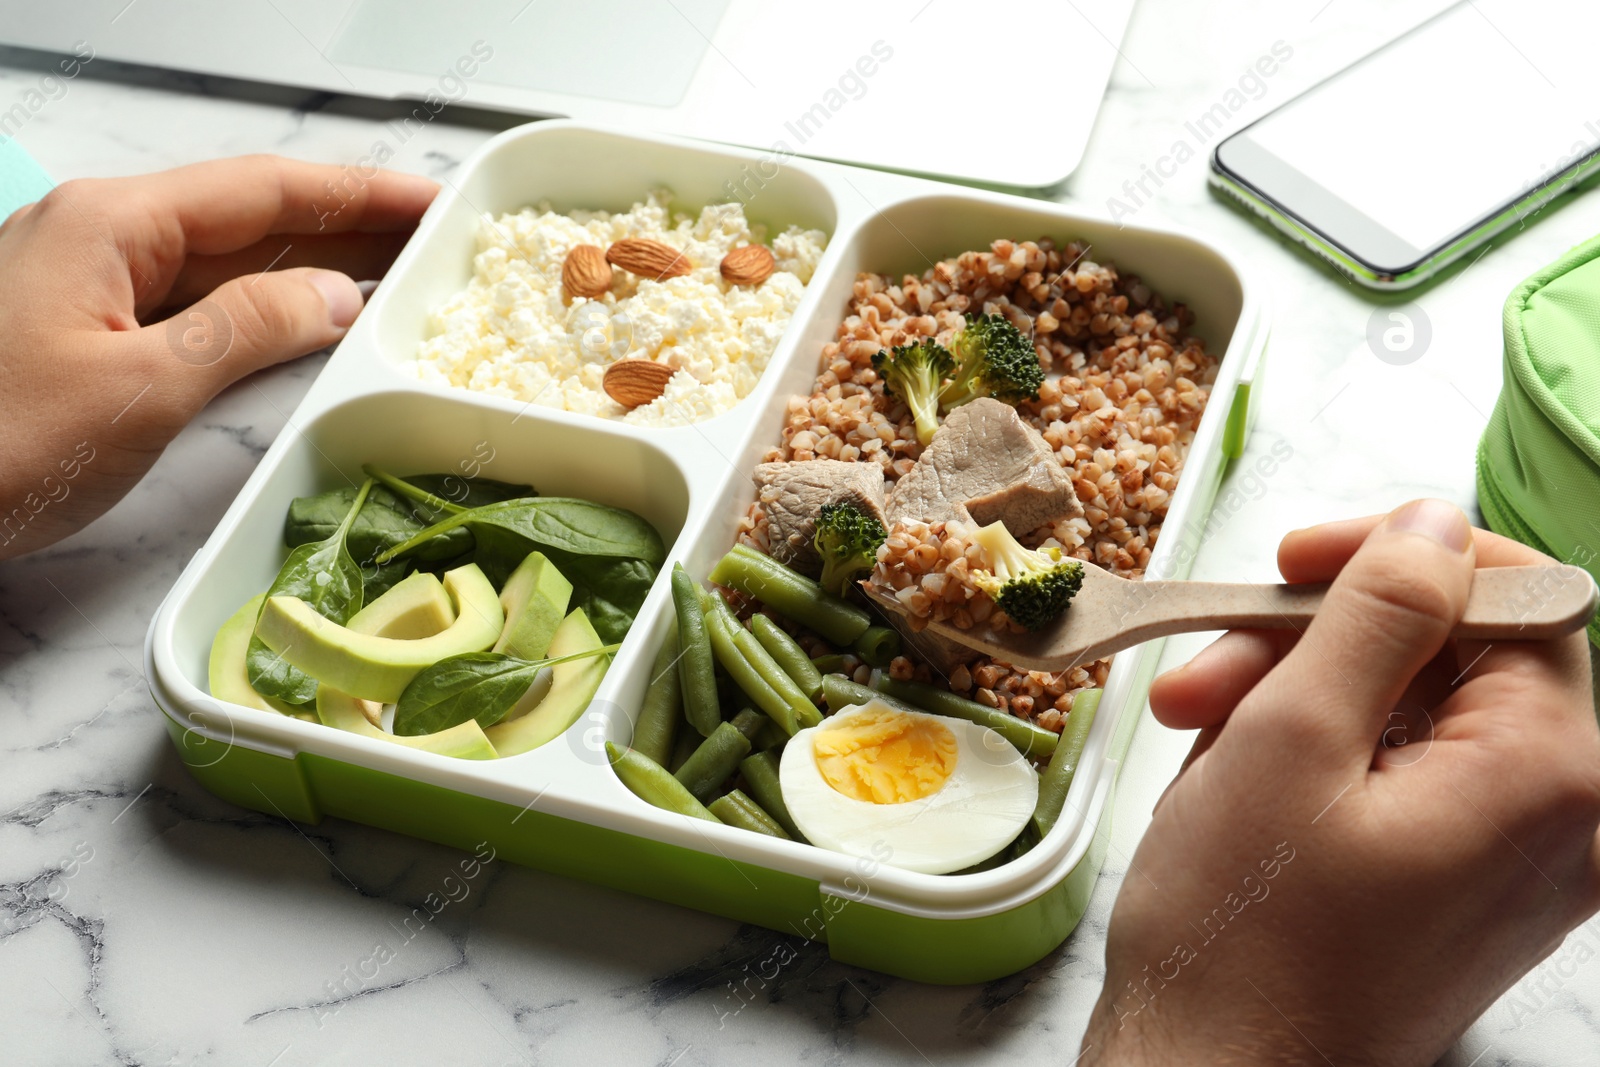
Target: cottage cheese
{"points": [[510, 333]]}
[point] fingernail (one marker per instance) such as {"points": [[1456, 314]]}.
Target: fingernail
{"points": [[342, 296], [1437, 519]]}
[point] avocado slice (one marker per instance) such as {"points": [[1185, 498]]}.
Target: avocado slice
{"points": [[571, 688], [344, 712], [379, 668], [226, 676], [534, 598], [411, 609]]}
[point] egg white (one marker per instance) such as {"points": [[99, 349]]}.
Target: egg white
{"points": [[982, 806]]}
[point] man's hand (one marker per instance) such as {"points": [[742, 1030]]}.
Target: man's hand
{"points": [[126, 304], [1379, 830]]}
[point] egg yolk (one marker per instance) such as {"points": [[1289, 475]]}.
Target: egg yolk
{"points": [[885, 757]]}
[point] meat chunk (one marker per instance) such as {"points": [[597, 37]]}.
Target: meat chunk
{"points": [[792, 493], [986, 465]]}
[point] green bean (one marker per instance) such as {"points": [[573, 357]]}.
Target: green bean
{"points": [[662, 709], [791, 595], [771, 738], [714, 761], [761, 779], [749, 723], [803, 713], [650, 782], [729, 695], [745, 676], [1032, 741], [841, 692], [736, 809], [697, 676], [832, 663], [790, 656], [877, 645], [682, 748], [1064, 763]]}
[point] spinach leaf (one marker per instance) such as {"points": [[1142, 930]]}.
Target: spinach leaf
{"points": [[566, 524], [395, 511], [386, 520], [610, 591], [610, 556], [324, 575], [477, 685], [498, 551], [437, 495]]}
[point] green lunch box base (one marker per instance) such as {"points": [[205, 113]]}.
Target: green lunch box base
{"points": [[560, 808], [308, 787]]}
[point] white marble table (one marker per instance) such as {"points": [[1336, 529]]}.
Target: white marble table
{"points": [[144, 922]]}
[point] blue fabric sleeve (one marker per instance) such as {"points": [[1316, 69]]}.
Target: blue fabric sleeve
{"points": [[22, 181]]}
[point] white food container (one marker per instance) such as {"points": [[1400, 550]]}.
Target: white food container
{"points": [[560, 807]]}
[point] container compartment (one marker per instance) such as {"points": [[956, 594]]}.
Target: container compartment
{"points": [[408, 433], [1031, 904], [575, 168]]}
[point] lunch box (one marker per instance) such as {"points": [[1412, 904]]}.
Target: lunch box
{"points": [[560, 808]]}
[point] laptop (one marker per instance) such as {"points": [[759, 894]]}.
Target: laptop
{"points": [[999, 93]]}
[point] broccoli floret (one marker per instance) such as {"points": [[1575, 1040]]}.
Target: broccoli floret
{"points": [[993, 359], [914, 373], [1032, 586], [847, 539]]}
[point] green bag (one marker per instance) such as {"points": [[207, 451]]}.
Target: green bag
{"points": [[1539, 460]]}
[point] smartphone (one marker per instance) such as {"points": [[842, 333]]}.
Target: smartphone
{"points": [[1412, 158]]}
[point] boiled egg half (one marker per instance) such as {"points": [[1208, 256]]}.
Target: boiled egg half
{"points": [[940, 793]]}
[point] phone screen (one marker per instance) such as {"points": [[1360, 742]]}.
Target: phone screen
{"points": [[1423, 141]]}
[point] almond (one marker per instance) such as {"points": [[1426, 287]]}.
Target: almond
{"points": [[750, 265], [631, 382], [586, 273], [647, 258]]}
